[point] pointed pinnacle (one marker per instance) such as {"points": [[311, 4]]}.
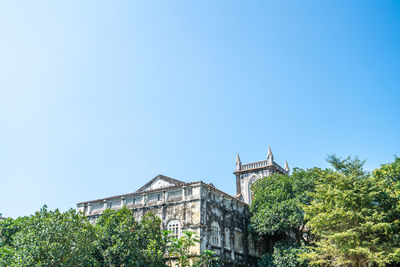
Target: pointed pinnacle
{"points": [[287, 166], [237, 158]]}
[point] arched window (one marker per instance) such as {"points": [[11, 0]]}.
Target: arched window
{"points": [[227, 238], [215, 234], [252, 180], [175, 227]]}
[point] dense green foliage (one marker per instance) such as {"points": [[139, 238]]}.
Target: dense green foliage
{"points": [[275, 206], [284, 254], [278, 216], [331, 217], [47, 238], [53, 238], [391, 174], [121, 241], [354, 215], [180, 248]]}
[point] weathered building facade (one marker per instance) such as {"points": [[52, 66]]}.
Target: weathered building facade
{"points": [[248, 173], [219, 219]]}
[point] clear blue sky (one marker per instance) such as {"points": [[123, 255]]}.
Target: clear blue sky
{"points": [[96, 97]]}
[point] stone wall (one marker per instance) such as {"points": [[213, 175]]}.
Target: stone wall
{"points": [[177, 203], [232, 218], [220, 220]]}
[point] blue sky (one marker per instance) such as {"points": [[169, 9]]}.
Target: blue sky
{"points": [[98, 97]]}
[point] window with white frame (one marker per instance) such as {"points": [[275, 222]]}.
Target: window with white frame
{"points": [[175, 227], [227, 238], [215, 234]]}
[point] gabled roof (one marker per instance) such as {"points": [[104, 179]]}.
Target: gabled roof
{"points": [[160, 181], [171, 183]]}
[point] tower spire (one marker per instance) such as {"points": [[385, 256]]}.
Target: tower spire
{"points": [[287, 166], [270, 157], [238, 163]]}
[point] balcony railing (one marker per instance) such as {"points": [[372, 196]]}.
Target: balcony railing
{"points": [[254, 165]]}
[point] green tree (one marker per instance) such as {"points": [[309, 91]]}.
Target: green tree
{"points": [[121, 241], [391, 173], [47, 238], [52, 238], [275, 207], [350, 215], [180, 248], [276, 214], [285, 254]]}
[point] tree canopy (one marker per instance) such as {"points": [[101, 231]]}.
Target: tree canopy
{"points": [[353, 216], [275, 207], [47, 238], [277, 215], [338, 216], [54, 238], [121, 241]]}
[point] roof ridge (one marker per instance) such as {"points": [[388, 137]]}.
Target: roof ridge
{"points": [[137, 193], [172, 180]]}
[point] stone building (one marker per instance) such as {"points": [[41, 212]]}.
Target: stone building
{"points": [[219, 219], [247, 174]]}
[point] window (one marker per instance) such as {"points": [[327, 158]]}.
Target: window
{"points": [[238, 245], [109, 205], [188, 191], [158, 197], [251, 242], [174, 227], [134, 201], [227, 238], [250, 192], [215, 234]]}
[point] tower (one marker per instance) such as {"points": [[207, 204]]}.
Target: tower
{"points": [[247, 174]]}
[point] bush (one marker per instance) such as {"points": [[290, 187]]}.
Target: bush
{"points": [[285, 255]]}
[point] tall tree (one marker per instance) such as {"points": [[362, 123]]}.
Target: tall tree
{"points": [[391, 173], [180, 248], [278, 216], [47, 238], [121, 241], [351, 216], [275, 207], [53, 238]]}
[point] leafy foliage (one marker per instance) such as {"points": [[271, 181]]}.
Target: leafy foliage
{"points": [[389, 171], [278, 216], [347, 166], [47, 238], [123, 241], [391, 174], [266, 261], [351, 215], [275, 206], [285, 254], [180, 247], [52, 238]]}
